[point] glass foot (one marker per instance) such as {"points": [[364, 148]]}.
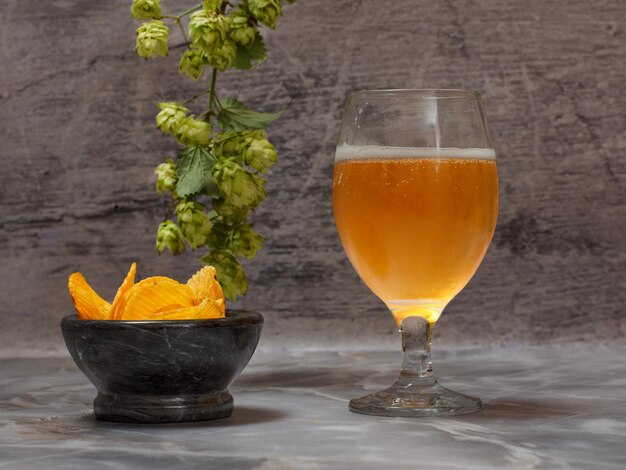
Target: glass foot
{"points": [[409, 398]]}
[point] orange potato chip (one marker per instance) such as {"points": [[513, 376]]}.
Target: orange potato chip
{"points": [[220, 304], [168, 308], [119, 303], [88, 304], [153, 294], [204, 285], [207, 309]]}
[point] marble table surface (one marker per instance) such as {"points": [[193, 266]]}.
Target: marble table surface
{"points": [[546, 407]]}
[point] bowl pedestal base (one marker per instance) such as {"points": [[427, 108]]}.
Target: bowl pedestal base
{"points": [[157, 409]]}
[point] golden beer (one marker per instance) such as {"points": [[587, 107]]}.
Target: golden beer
{"points": [[416, 227]]}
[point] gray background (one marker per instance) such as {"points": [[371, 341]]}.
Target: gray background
{"points": [[78, 148]]}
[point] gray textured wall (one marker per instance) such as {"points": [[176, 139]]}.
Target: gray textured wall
{"points": [[78, 147]]}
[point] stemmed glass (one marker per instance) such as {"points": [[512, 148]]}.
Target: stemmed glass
{"points": [[415, 198]]}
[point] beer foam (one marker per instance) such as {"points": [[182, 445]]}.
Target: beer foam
{"points": [[379, 152]]}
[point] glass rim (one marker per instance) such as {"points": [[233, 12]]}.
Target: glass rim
{"points": [[422, 93]]}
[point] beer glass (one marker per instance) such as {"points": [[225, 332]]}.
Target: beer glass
{"points": [[415, 199]]}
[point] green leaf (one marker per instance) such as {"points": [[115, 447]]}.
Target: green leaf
{"points": [[194, 172], [237, 116], [248, 57]]}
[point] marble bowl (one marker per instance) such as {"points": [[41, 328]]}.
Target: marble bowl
{"points": [[163, 371]]}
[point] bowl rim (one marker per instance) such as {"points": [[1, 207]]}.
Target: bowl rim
{"points": [[238, 317]]}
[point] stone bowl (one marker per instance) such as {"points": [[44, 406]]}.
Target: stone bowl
{"points": [[172, 371]]}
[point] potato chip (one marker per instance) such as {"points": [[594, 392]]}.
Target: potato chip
{"points": [[207, 309], [88, 304], [220, 305], [119, 303], [170, 307], [153, 294], [204, 285]]}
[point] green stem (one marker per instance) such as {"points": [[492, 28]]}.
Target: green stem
{"points": [[212, 90], [188, 12], [195, 97], [182, 30], [217, 103]]}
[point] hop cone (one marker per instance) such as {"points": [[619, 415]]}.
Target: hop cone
{"points": [[238, 187], [193, 132], [212, 5], [230, 274], [194, 222], [166, 177], [152, 39], [222, 57], [258, 152], [229, 144], [229, 211], [266, 11], [219, 238], [241, 31], [145, 9], [245, 241], [169, 236], [170, 117], [192, 63], [208, 30]]}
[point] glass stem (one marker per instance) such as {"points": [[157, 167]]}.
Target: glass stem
{"points": [[416, 338]]}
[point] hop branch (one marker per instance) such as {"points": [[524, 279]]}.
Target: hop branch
{"points": [[218, 178]]}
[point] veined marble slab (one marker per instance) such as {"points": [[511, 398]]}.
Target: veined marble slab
{"points": [[545, 407]]}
